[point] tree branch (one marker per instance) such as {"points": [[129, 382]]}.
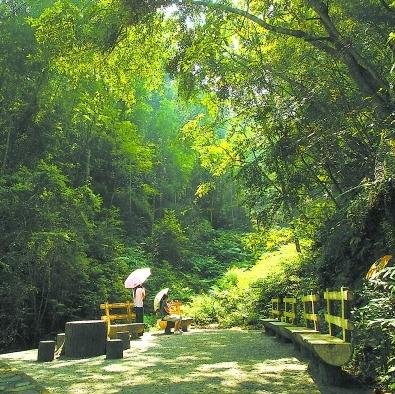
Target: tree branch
{"points": [[360, 70], [318, 42], [357, 64]]}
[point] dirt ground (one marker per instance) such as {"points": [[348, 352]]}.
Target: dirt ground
{"points": [[201, 361]]}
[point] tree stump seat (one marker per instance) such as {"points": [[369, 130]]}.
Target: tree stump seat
{"points": [[168, 325], [288, 332], [273, 327], [265, 325], [333, 351], [60, 338], [185, 323], [46, 351], [326, 351], [175, 308], [327, 354], [114, 349], [124, 336], [85, 338], [267, 320]]}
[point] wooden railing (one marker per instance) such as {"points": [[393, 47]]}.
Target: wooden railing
{"points": [[310, 314], [175, 307], [125, 309], [337, 316], [276, 310], [289, 309]]}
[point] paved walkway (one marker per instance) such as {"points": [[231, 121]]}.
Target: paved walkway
{"points": [[215, 361], [13, 380]]}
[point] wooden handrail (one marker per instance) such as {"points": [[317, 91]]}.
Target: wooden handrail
{"points": [[276, 311], [116, 305], [289, 309], [340, 319], [309, 309], [126, 312]]}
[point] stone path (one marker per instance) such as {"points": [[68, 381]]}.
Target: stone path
{"points": [[206, 361], [14, 381]]}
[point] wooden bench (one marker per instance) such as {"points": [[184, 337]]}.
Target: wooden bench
{"points": [[276, 308], [125, 315], [175, 308], [288, 330], [277, 320], [275, 312], [326, 351], [328, 347]]}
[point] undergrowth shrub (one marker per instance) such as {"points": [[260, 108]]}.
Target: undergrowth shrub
{"points": [[289, 282], [226, 303], [203, 309], [374, 334], [238, 298]]}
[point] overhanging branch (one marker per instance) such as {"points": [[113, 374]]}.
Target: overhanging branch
{"points": [[318, 42]]}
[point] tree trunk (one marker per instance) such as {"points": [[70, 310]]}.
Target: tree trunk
{"points": [[88, 166], [7, 148], [130, 187], [124, 336], [297, 245], [368, 80]]}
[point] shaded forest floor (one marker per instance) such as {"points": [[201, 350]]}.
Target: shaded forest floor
{"points": [[210, 361]]}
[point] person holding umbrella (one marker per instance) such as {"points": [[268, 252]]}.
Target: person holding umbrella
{"points": [[134, 281], [161, 304]]}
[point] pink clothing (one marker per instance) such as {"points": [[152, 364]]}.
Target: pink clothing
{"points": [[139, 296]]}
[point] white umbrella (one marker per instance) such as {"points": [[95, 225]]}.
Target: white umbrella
{"points": [[137, 277], [158, 297]]}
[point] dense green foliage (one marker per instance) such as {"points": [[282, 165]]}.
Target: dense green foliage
{"points": [[374, 333], [143, 133], [95, 177]]}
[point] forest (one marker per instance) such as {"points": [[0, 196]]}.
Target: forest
{"points": [[238, 148]]}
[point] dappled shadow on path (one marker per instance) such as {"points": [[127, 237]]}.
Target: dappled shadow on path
{"points": [[223, 361]]}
